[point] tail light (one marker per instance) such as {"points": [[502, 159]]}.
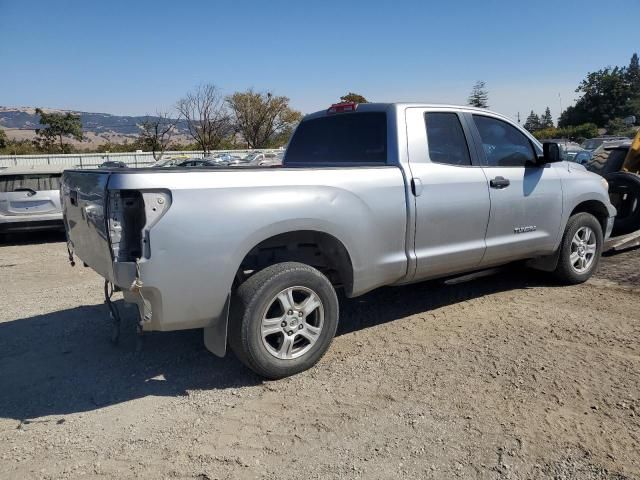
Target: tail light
{"points": [[131, 215], [343, 107]]}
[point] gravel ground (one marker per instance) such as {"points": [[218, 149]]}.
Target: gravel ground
{"points": [[508, 376]]}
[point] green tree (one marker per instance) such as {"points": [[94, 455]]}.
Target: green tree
{"points": [[533, 122], [263, 119], [57, 127], [633, 74], [546, 121], [3, 139], [605, 95], [586, 130], [617, 126], [479, 96], [353, 98]]}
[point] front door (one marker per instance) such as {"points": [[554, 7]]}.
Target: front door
{"points": [[450, 193], [526, 199]]}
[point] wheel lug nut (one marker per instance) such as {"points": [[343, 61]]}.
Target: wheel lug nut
{"points": [[300, 327], [290, 312], [283, 324], [299, 314], [290, 332]]}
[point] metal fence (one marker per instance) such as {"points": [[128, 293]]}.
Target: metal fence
{"points": [[93, 160]]}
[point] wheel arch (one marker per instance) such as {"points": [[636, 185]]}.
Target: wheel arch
{"points": [[595, 208], [315, 248]]}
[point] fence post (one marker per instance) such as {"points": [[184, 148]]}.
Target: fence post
{"points": [[81, 162]]}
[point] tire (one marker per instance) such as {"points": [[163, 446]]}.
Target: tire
{"points": [[272, 330], [570, 269], [624, 191]]}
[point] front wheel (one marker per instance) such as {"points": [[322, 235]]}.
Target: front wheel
{"points": [[580, 249], [283, 319]]}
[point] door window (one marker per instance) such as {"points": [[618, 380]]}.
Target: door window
{"points": [[445, 139], [503, 144]]}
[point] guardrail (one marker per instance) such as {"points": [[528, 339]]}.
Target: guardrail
{"points": [[93, 160]]}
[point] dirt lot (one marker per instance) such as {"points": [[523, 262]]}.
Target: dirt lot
{"points": [[508, 376]]}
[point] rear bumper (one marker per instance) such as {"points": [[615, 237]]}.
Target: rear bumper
{"points": [[23, 223]]}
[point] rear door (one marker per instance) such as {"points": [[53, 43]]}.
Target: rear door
{"points": [[450, 191], [30, 194], [526, 199]]}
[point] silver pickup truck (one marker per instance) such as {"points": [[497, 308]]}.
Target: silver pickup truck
{"points": [[368, 195]]}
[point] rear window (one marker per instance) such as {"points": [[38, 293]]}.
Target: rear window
{"points": [[37, 182], [351, 138]]}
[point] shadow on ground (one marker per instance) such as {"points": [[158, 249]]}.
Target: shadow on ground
{"points": [[63, 362], [30, 238]]}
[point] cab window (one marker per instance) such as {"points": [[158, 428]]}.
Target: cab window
{"points": [[348, 138], [503, 144]]}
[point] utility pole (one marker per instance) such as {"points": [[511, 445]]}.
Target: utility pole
{"points": [[518, 118], [560, 97]]}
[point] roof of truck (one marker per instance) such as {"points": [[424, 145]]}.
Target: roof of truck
{"points": [[379, 107], [35, 169]]}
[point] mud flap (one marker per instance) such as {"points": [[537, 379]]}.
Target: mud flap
{"points": [[215, 336], [548, 263]]}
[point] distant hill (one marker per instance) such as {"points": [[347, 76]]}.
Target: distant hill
{"points": [[20, 123]]}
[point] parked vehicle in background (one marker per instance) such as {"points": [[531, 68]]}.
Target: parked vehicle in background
{"points": [[225, 160], [193, 162], [607, 141], [368, 195], [30, 198], [583, 157], [620, 166], [113, 164], [267, 159], [168, 162]]}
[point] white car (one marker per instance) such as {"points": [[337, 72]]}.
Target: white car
{"points": [[30, 198]]}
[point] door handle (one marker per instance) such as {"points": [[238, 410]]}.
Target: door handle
{"points": [[499, 182]]}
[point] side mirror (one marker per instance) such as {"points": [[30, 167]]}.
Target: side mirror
{"points": [[551, 153]]}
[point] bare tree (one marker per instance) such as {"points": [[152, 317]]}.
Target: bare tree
{"points": [[206, 116], [262, 118], [157, 132]]}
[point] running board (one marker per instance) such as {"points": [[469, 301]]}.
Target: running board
{"points": [[473, 276]]}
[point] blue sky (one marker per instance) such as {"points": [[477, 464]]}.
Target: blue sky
{"points": [[134, 57]]}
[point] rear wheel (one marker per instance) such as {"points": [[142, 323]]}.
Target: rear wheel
{"points": [[283, 319], [580, 249]]}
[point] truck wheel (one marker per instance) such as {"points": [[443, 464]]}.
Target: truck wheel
{"points": [[580, 249], [283, 319]]}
